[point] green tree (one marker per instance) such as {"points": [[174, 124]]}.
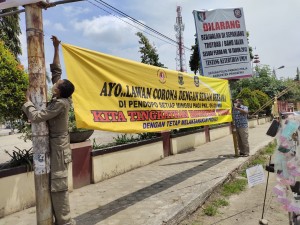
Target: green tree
{"points": [[13, 84], [264, 81], [297, 75], [250, 99], [194, 59], [10, 31], [148, 52], [250, 48], [263, 99], [293, 95], [264, 71]]}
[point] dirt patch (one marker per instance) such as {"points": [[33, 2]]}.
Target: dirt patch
{"points": [[244, 208]]}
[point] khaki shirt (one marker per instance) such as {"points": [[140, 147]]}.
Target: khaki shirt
{"points": [[57, 112], [57, 116]]}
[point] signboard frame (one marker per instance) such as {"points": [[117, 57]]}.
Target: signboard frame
{"points": [[223, 43]]}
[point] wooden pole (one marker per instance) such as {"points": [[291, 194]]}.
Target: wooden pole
{"points": [[233, 128], [38, 95], [234, 138], [166, 135], [207, 133]]}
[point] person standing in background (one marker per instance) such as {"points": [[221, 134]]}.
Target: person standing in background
{"points": [[240, 113]]}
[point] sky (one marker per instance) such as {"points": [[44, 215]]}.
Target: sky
{"points": [[272, 24]]}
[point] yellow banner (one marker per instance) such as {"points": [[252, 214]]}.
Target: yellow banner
{"points": [[120, 95]]}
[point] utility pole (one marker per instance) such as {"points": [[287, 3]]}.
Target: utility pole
{"points": [[38, 91], [38, 95]]}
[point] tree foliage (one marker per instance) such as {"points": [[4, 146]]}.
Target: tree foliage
{"points": [[13, 84], [250, 99], [261, 97], [263, 81], [148, 52], [263, 100], [250, 48], [297, 78], [293, 95], [194, 59], [265, 86], [10, 31]]}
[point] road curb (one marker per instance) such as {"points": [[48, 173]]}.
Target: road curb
{"points": [[194, 204]]}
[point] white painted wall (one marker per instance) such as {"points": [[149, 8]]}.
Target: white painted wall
{"points": [[180, 144], [115, 163], [219, 133], [17, 193]]}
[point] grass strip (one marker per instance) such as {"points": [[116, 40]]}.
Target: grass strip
{"points": [[237, 185]]}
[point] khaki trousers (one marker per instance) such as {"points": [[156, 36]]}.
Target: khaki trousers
{"points": [[60, 157], [61, 207], [242, 138]]}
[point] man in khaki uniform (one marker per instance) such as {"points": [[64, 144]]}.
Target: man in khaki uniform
{"points": [[56, 115]]}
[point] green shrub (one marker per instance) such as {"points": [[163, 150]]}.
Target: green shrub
{"points": [[13, 86], [234, 187], [20, 158], [146, 136], [220, 202], [25, 129], [210, 210], [249, 98], [124, 138], [100, 146]]}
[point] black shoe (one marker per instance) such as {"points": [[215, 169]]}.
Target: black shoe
{"points": [[244, 154]]}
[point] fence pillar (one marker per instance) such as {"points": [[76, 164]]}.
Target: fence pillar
{"points": [[207, 133], [166, 136]]}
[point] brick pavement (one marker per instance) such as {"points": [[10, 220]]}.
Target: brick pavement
{"points": [[157, 194]]}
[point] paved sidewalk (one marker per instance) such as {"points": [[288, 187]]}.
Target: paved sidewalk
{"points": [[157, 194]]}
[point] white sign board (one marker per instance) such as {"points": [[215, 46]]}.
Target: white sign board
{"points": [[5, 4], [255, 175], [39, 163], [223, 44]]}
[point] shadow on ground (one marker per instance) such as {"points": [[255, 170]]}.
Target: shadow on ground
{"points": [[99, 214]]}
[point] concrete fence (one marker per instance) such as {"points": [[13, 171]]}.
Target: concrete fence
{"points": [[92, 166], [118, 160], [182, 143]]}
